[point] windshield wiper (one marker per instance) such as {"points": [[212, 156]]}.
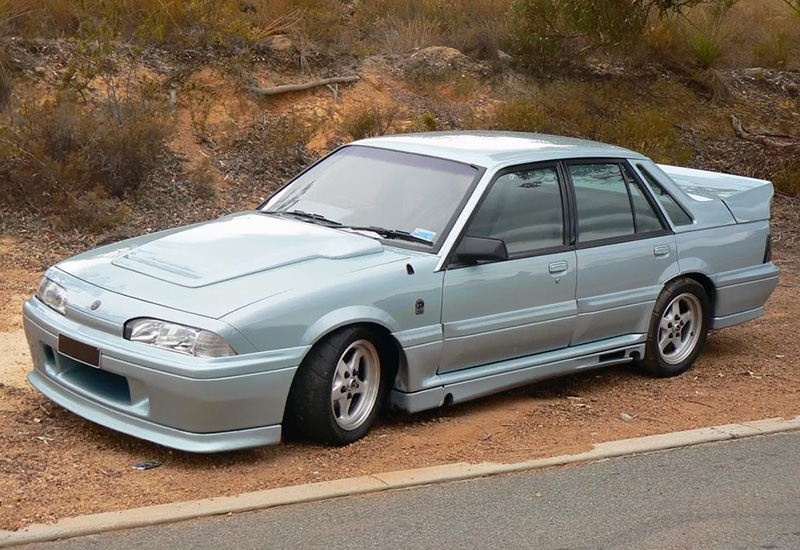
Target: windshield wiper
{"points": [[382, 231], [389, 233], [311, 216]]}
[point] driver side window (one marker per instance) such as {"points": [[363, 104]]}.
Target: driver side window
{"points": [[523, 208]]}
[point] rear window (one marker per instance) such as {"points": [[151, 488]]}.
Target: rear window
{"points": [[674, 210]]}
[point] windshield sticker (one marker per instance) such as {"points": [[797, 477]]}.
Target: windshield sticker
{"points": [[424, 234]]}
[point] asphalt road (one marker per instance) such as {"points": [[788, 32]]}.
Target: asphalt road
{"points": [[732, 495]]}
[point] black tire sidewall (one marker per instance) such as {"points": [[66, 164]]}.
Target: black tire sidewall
{"points": [[653, 361], [308, 411]]}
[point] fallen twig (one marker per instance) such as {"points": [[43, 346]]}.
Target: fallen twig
{"points": [[770, 140], [286, 88]]}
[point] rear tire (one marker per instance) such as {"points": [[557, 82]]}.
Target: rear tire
{"points": [[678, 328], [340, 387]]}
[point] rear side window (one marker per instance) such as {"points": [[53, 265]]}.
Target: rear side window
{"points": [[645, 217], [523, 209], [675, 212], [604, 207]]}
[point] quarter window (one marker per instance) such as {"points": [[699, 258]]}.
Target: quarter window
{"points": [[675, 212], [645, 218], [603, 204], [523, 208]]}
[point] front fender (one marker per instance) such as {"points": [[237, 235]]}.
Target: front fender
{"points": [[347, 316]]}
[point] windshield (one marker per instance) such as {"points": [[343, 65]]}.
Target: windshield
{"points": [[365, 186]]}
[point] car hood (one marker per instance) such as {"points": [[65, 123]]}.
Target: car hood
{"points": [[216, 267], [238, 246]]}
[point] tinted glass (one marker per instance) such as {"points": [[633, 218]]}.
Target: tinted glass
{"points": [[524, 210], [604, 208], [365, 186], [646, 218], [671, 207]]}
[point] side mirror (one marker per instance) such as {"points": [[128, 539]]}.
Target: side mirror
{"points": [[473, 250]]}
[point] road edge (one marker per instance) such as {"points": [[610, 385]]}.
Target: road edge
{"points": [[260, 500]]}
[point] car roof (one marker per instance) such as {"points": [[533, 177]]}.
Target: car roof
{"points": [[497, 149]]}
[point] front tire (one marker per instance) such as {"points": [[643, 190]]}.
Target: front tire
{"points": [[340, 387], [678, 328]]}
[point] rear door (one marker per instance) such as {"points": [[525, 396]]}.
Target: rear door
{"points": [[625, 250], [526, 304]]}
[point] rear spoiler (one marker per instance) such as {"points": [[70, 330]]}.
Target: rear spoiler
{"points": [[748, 199]]}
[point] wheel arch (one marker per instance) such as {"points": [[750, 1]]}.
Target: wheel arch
{"points": [[377, 321], [705, 281]]}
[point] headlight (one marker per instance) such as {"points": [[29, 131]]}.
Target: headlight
{"points": [[52, 295], [180, 338]]}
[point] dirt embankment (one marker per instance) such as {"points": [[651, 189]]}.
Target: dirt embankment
{"points": [[55, 464]]}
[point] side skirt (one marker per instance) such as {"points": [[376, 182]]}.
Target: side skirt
{"points": [[518, 372]]}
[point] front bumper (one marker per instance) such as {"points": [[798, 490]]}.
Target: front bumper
{"points": [[156, 395]]}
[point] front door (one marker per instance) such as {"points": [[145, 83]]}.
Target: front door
{"points": [[526, 304], [625, 251]]}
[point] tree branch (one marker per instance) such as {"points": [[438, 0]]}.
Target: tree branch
{"points": [[286, 88], [770, 140]]}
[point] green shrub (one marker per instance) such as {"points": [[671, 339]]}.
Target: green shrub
{"points": [[519, 115], [370, 122], [705, 32], [547, 34], [706, 49], [610, 112], [422, 122], [537, 37]]}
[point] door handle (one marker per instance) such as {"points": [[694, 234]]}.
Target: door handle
{"points": [[558, 267], [661, 250]]}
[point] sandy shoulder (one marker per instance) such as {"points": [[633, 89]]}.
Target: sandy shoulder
{"points": [[14, 359]]}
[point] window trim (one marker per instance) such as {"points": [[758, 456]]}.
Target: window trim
{"points": [[622, 163], [434, 250], [642, 173], [566, 215]]}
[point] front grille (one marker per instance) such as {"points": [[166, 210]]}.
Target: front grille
{"points": [[93, 381]]}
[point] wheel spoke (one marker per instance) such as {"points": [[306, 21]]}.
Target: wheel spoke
{"points": [[355, 361], [665, 324], [344, 406], [362, 387], [665, 341], [342, 368]]}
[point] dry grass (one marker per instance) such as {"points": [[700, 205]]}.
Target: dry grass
{"points": [[787, 179], [734, 35], [179, 22], [10, 10], [476, 27], [76, 164], [361, 123], [764, 33], [544, 34], [637, 116]]}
